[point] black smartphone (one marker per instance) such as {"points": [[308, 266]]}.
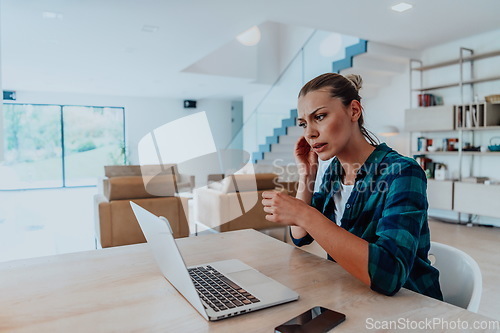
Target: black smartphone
{"points": [[314, 320]]}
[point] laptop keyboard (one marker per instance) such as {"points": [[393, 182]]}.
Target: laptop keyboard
{"points": [[217, 291]]}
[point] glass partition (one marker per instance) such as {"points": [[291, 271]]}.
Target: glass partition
{"points": [[315, 57]]}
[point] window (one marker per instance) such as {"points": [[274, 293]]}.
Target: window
{"points": [[59, 146]]}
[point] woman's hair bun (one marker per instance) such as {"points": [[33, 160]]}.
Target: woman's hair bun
{"points": [[356, 80]]}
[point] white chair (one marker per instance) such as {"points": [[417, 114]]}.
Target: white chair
{"points": [[459, 276]]}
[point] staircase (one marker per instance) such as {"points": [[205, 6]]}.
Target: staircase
{"points": [[376, 63], [278, 149]]}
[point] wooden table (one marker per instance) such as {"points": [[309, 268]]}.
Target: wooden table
{"points": [[121, 290]]}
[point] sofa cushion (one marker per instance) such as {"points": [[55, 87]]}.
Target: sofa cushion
{"points": [[132, 187], [137, 170], [245, 183]]}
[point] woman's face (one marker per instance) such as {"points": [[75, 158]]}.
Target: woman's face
{"points": [[326, 121]]}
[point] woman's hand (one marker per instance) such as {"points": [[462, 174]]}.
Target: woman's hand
{"points": [[306, 158], [284, 209]]}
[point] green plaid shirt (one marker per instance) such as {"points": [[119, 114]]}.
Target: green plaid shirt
{"points": [[388, 209]]}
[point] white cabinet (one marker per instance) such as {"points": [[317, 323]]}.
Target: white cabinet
{"points": [[432, 118], [440, 194], [477, 199]]}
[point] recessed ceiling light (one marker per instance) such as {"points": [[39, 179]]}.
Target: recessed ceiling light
{"points": [[331, 45], [401, 7], [250, 37], [52, 16], [150, 28]]}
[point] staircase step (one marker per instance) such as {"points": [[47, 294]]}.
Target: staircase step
{"points": [[295, 131], [392, 53], [370, 78], [350, 53], [378, 66], [288, 139], [289, 122], [274, 164], [271, 139], [285, 156], [264, 148], [282, 147], [257, 156]]}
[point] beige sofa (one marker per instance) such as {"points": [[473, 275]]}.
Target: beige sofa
{"points": [[224, 206], [147, 186]]}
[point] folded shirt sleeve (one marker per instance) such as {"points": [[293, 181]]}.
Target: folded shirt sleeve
{"points": [[391, 256], [318, 200]]}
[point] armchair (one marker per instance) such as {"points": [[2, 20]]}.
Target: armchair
{"points": [[224, 206], [115, 221]]}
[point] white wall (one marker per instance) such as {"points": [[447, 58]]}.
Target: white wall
{"points": [[268, 53], [387, 108], [142, 115], [291, 39]]}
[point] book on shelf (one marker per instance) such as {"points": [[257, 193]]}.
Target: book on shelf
{"points": [[426, 163], [477, 180], [429, 100], [450, 144], [424, 143]]}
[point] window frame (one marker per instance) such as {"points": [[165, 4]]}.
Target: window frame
{"points": [[63, 155]]}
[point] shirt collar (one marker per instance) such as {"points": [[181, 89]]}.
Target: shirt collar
{"points": [[371, 165]]}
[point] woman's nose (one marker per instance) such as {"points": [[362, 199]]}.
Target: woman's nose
{"points": [[311, 132]]}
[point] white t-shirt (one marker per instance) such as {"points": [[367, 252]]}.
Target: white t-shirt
{"points": [[340, 198]]}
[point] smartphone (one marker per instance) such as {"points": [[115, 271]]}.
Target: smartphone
{"points": [[314, 320]]}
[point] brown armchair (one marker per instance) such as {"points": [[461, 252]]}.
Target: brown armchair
{"points": [[115, 221]]}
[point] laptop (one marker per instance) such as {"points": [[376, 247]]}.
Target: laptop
{"points": [[217, 290]]}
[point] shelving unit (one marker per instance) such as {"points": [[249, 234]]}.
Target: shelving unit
{"points": [[465, 118], [455, 153]]}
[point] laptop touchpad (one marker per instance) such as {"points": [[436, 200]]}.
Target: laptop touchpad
{"points": [[248, 277]]}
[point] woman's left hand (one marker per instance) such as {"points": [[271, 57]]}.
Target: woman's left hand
{"points": [[284, 209]]}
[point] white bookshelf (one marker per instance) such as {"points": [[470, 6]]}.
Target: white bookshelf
{"points": [[466, 119]]}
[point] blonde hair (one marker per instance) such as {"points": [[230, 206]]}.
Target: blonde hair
{"points": [[356, 80]]}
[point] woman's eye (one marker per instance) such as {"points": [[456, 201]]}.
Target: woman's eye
{"points": [[303, 125], [319, 117]]}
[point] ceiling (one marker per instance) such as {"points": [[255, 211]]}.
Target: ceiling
{"points": [[98, 46]]}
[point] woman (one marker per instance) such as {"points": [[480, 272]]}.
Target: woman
{"points": [[370, 213]]}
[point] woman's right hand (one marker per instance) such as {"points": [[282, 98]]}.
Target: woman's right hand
{"points": [[306, 158]]}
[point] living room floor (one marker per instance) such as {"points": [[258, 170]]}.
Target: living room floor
{"points": [[47, 222], [36, 223], [482, 244]]}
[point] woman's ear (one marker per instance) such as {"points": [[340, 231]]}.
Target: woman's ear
{"points": [[356, 110]]}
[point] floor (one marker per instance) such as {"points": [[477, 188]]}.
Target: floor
{"points": [[36, 223], [46, 222], [482, 244]]}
